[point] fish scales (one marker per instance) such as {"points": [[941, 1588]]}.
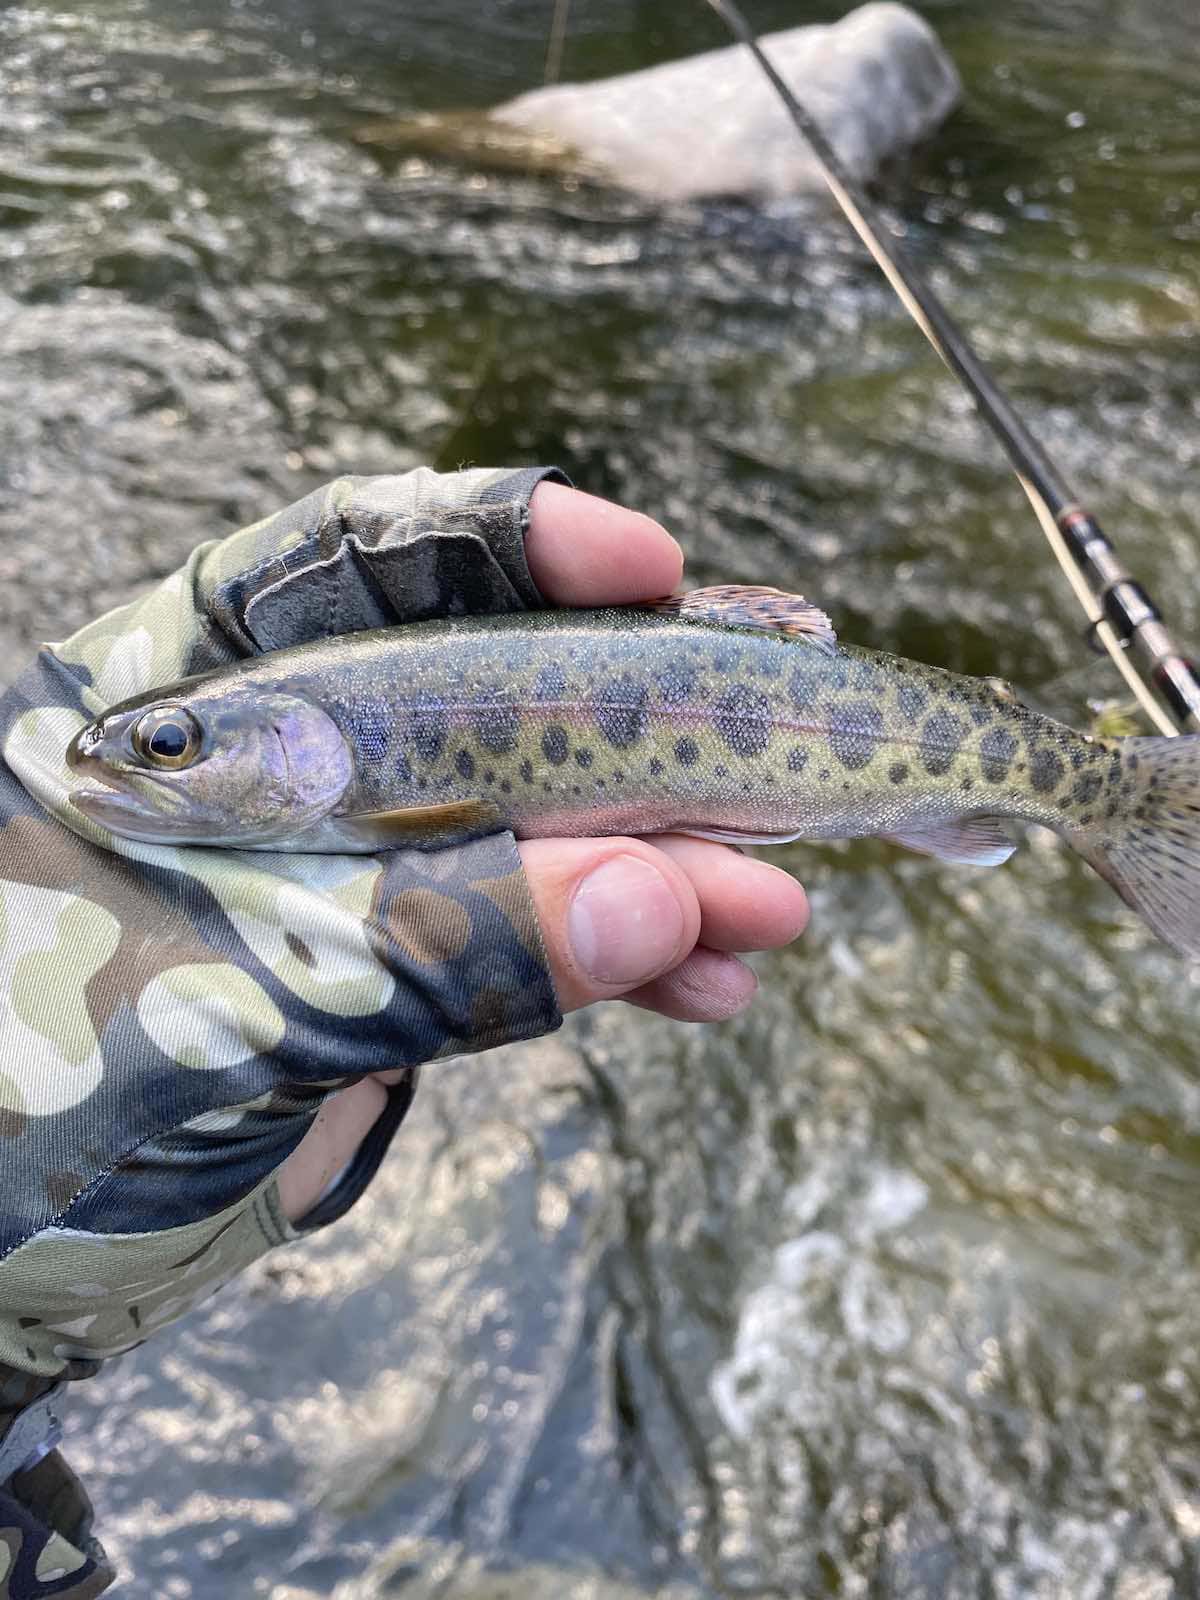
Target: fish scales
{"points": [[724, 713], [582, 724]]}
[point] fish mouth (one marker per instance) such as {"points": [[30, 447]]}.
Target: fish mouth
{"points": [[125, 814]]}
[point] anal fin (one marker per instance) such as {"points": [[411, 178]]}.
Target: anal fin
{"points": [[736, 836], [971, 842]]}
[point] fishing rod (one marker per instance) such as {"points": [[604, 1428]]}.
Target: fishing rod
{"points": [[1122, 618]]}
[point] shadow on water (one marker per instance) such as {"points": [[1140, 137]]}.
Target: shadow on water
{"points": [[887, 1289]]}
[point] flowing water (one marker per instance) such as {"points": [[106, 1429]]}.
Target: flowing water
{"points": [[890, 1288]]}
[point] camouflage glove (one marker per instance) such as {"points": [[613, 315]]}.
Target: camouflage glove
{"points": [[173, 1020]]}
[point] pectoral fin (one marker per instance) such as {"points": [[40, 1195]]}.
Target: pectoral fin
{"points": [[974, 842], [424, 827]]}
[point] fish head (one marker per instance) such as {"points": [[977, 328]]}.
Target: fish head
{"points": [[232, 765]]}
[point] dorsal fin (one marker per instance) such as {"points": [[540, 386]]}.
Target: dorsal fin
{"points": [[745, 605]]}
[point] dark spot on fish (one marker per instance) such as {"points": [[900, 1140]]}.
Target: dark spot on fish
{"points": [[797, 759], [1085, 819], [967, 783], [824, 774], [742, 717], [803, 684], [687, 752], [854, 732], [1045, 769], [575, 789], [1086, 789], [1078, 757], [997, 747], [726, 658], [489, 776], [720, 770], [404, 768], [550, 683], [425, 726], [620, 708], [496, 721], [656, 768], [676, 685], [980, 714], [505, 786], [912, 700], [545, 788], [555, 746], [583, 756], [618, 776], [897, 772], [299, 949], [941, 735], [527, 771], [465, 762], [865, 675]]}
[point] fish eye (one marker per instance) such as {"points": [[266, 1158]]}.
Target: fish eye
{"points": [[168, 736]]}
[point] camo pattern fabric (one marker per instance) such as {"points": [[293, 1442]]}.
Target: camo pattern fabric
{"points": [[173, 1019]]}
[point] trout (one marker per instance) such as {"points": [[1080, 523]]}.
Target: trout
{"points": [[730, 713]]}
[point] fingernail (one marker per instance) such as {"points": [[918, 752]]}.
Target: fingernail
{"points": [[625, 923]]}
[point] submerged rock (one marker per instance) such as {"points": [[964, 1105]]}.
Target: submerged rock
{"points": [[878, 81]]}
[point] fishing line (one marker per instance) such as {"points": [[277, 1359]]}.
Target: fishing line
{"points": [[1122, 618], [555, 42]]}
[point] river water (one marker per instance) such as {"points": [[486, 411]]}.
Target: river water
{"points": [[890, 1288]]}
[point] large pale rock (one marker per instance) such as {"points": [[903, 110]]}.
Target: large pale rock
{"points": [[878, 81]]}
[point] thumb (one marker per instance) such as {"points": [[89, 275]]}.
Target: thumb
{"points": [[614, 914]]}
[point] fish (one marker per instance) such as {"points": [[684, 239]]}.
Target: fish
{"points": [[732, 713]]}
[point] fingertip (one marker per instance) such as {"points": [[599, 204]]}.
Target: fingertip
{"points": [[710, 986], [614, 913], [745, 903], [585, 551]]}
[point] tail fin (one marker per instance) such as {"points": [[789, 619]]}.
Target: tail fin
{"points": [[1150, 850]]}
